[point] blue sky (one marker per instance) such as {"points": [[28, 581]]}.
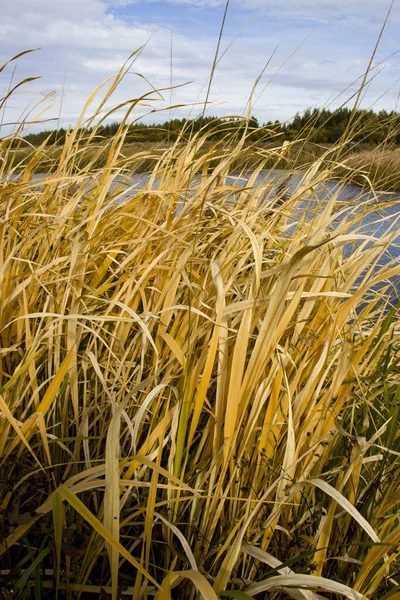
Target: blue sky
{"points": [[322, 48]]}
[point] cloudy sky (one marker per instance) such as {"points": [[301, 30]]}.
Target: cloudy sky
{"points": [[318, 48]]}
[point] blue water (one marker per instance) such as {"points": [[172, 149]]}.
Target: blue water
{"points": [[383, 216], [368, 214]]}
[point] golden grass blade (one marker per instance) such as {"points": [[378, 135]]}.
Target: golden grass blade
{"points": [[2, 67], [290, 451], [344, 503], [8, 415], [273, 562], [58, 519], [301, 581], [375, 555], [197, 578], [101, 530], [16, 535], [212, 351], [182, 540], [322, 545], [142, 411], [112, 495]]}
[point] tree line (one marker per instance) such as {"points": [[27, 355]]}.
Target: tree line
{"points": [[317, 125]]}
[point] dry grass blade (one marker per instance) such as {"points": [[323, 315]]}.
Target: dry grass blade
{"points": [[88, 516], [199, 581], [286, 581]]}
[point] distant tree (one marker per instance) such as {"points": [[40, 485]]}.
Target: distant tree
{"points": [[317, 125]]}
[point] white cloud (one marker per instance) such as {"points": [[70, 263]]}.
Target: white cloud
{"points": [[88, 42]]}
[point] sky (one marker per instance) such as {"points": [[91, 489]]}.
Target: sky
{"points": [[310, 53]]}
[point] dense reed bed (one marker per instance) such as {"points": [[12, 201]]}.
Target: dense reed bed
{"points": [[379, 165], [199, 381]]}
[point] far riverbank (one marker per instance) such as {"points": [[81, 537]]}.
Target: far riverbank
{"points": [[378, 167]]}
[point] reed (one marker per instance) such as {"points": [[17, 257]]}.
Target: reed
{"points": [[380, 165], [368, 166], [199, 381]]}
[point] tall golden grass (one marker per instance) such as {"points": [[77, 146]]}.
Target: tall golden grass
{"points": [[199, 382], [381, 165]]}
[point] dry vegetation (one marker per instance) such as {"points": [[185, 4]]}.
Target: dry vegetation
{"points": [[376, 166], [198, 384], [380, 165]]}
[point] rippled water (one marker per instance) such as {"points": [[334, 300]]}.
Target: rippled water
{"points": [[383, 217], [371, 216], [374, 223]]}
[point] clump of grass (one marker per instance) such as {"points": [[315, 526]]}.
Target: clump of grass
{"points": [[198, 383], [381, 165]]}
